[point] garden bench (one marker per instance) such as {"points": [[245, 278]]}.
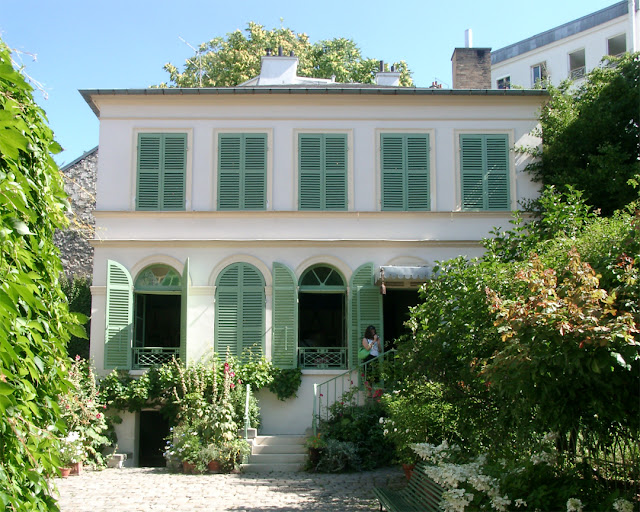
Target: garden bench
{"points": [[420, 495]]}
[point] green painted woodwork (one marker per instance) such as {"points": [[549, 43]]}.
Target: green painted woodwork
{"points": [[405, 171], [484, 164], [322, 165], [162, 169], [240, 311], [242, 171], [184, 312], [284, 345], [119, 328], [365, 308]]}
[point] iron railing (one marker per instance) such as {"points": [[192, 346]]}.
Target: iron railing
{"points": [[331, 358], [146, 357], [357, 380]]}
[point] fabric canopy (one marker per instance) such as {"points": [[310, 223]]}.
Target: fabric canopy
{"points": [[402, 273]]}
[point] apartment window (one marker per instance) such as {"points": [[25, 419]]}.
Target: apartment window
{"points": [[242, 171], [405, 171], [484, 169], [577, 65], [161, 173], [322, 165], [617, 45], [538, 73], [504, 83]]}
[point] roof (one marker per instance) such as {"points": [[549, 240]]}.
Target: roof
{"points": [[328, 89], [82, 157], [555, 34]]}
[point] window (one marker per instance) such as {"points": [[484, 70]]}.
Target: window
{"points": [[484, 168], [617, 45], [538, 73], [405, 171], [146, 323], [242, 171], [577, 65], [239, 309], [504, 83], [162, 162], [322, 162]]}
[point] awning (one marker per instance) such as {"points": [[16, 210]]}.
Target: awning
{"points": [[402, 273]]}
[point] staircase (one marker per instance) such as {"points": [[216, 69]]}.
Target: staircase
{"points": [[276, 453]]}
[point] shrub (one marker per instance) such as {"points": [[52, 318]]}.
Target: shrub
{"points": [[339, 456]]}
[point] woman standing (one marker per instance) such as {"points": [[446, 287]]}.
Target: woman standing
{"points": [[371, 342]]}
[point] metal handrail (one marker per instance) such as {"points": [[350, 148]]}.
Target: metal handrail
{"points": [[331, 386], [247, 421]]}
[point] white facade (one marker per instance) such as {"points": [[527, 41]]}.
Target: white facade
{"points": [[212, 239], [570, 50]]}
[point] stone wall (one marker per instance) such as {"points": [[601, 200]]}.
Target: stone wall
{"points": [[80, 184]]}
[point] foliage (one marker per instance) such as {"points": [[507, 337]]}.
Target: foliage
{"points": [[72, 449], [285, 382], [415, 412], [360, 425], [234, 59], [339, 456], [590, 134], [83, 412], [317, 442], [78, 292], [34, 316]]}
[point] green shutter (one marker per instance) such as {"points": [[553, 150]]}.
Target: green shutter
{"points": [[118, 332], [365, 307], [322, 161], [162, 168], [239, 322], [184, 313], [484, 164], [284, 344], [242, 171], [405, 172]]}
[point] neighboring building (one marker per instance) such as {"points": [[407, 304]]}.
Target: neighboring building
{"points": [[570, 50], [266, 216], [76, 252]]}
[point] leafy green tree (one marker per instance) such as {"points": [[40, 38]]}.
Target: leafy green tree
{"points": [[591, 135], [231, 60], [34, 317]]}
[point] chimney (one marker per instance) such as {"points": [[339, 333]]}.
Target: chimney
{"points": [[471, 68], [387, 78], [278, 69]]}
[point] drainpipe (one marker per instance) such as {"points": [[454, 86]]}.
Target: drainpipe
{"points": [[632, 14]]}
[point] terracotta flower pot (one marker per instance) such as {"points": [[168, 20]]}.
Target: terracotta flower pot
{"points": [[76, 468], [188, 468], [408, 470], [64, 472], [214, 466]]}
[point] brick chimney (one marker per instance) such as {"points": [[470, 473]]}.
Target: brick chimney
{"points": [[471, 68]]}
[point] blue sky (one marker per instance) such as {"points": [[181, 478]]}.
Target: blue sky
{"points": [[116, 44]]}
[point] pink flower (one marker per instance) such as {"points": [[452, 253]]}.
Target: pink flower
{"points": [[232, 374], [104, 406], [77, 357], [99, 415], [233, 385], [226, 367], [321, 394]]}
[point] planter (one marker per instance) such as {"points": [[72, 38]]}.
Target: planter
{"points": [[64, 472], [314, 456], [188, 468], [214, 466], [408, 470], [76, 468]]}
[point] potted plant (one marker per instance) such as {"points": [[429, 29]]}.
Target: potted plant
{"points": [[315, 445], [71, 454], [213, 455]]}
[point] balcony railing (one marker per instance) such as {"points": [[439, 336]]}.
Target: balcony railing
{"points": [[146, 357], [331, 358], [578, 73]]}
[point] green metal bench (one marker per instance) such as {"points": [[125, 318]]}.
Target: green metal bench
{"points": [[420, 495]]}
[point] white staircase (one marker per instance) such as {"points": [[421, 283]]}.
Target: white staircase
{"points": [[276, 453]]}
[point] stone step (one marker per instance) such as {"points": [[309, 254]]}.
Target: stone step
{"points": [[277, 458], [281, 453], [278, 448], [272, 468], [280, 440]]}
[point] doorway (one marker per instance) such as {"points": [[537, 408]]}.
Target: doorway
{"points": [[154, 428], [395, 306]]}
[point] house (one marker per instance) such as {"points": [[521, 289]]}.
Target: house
{"points": [[570, 50], [266, 216]]}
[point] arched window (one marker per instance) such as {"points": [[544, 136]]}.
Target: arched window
{"points": [[157, 316], [240, 311], [322, 315]]}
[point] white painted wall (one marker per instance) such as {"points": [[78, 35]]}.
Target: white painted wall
{"points": [[556, 54]]}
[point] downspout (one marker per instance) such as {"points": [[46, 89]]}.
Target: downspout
{"points": [[632, 14]]}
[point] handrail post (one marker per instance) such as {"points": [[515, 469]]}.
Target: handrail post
{"points": [[314, 420], [247, 423]]}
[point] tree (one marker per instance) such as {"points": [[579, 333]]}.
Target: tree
{"points": [[34, 317], [231, 60], [591, 135]]}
